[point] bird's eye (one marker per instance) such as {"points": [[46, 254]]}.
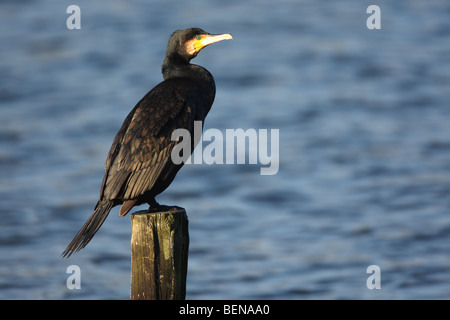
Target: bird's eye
{"points": [[198, 37]]}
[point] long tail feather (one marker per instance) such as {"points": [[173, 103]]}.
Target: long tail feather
{"points": [[89, 229]]}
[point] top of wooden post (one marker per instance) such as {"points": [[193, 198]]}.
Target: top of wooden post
{"points": [[162, 209]]}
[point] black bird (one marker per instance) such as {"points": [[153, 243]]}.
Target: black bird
{"points": [[138, 166]]}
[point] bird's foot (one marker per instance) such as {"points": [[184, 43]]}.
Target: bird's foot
{"points": [[156, 207]]}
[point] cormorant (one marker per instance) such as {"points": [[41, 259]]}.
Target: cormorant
{"points": [[138, 166]]}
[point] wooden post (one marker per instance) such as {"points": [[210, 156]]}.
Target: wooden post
{"points": [[159, 254]]}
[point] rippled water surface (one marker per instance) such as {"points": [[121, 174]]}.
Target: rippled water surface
{"points": [[364, 123]]}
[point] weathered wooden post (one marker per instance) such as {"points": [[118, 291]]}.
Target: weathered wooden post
{"points": [[159, 254]]}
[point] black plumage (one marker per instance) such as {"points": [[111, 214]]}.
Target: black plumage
{"points": [[138, 166]]}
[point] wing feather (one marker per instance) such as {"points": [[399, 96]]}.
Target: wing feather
{"points": [[143, 145]]}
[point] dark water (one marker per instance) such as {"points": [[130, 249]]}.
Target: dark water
{"points": [[364, 122]]}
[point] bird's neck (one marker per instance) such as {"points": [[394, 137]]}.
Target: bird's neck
{"points": [[181, 69]]}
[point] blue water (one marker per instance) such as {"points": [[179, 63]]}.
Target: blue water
{"points": [[364, 122]]}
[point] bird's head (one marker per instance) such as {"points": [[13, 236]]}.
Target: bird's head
{"points": [[187, 43]]}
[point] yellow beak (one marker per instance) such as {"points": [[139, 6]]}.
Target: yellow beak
{"points": [[207, 39]]}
